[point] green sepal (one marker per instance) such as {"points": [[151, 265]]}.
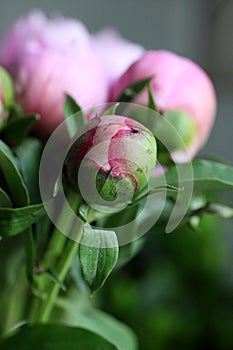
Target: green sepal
{"points": [[151, 101], [111, 110], [73, 123], [133, 90]]}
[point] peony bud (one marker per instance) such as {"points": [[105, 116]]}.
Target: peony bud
{"points": [[6, 93], [51, 58], [181, 90], [115, 153]]}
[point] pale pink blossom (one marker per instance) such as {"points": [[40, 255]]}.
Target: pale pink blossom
{"points": [[116, 52], [178, 84], [51, 58]]}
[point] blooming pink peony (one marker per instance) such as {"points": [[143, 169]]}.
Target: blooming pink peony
{"points": [[117, 53], [49, 58], [178, 85]]}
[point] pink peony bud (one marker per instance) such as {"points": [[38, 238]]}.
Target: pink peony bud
{"points": [[116, 53], [49, 58], [112, 149], [181, 89]]}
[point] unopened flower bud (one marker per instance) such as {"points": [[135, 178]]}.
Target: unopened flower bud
{"points": [[116, 155]]}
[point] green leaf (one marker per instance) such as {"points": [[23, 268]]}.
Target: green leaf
{"points": [[16, 110], [213, 158], [77, 276], [18, 128], [12, 177], [97, 262], [133, 90], [184, 125], [111, 110], [211, 176], [6, 86], [151, 101], [5, 201], [55, 337], [73, 123], [15, 220], [71, 107], [84, 316], [29, 154]]}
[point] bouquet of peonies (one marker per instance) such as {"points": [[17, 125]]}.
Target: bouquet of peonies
{"points": [[97, 146]]}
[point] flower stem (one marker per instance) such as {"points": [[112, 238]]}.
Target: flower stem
{"points": [[58, 258], [53, 290]]}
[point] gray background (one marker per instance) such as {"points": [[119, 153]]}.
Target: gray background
{"points": [[199, 29]]}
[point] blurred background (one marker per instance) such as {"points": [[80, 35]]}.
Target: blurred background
{"points": [[177, 292], [199, 29]]}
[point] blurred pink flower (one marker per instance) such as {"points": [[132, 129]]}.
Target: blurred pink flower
{"points": [[49, 58], [116, 53], [178, 84]]}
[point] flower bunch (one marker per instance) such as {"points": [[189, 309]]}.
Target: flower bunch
{"points": [[86, 120], [51, 58]]}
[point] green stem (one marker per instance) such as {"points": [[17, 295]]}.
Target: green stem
{"points": [[30, 254], [13, 290], [53, 290], [55, 248], [58, 258], [58, 239]]}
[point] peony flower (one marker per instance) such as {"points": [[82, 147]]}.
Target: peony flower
{"points": [[111, 149], [116, 53], [181, 89], [49, 58]]}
